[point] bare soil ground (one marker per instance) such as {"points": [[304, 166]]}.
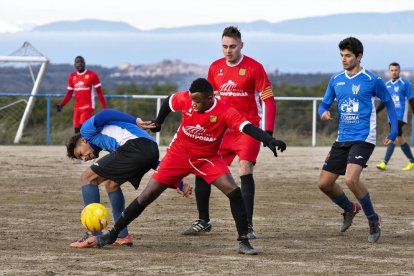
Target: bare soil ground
{"points": [[297, 226]]}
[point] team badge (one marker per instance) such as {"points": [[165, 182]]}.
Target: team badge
{"points": [[213, 118], [242, 72], [396, 88], [355, 89], [220, 73], [87, 77]]}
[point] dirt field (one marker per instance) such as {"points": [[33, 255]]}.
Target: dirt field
{"points": [[297, 226]]}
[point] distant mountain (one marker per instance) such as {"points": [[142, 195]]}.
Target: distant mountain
{"points": [[355, 23], [88, 25]]}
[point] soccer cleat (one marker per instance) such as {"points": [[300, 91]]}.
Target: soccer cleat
{"points": [[106, 239], [126, 241], [88, 240], [199, 226], [374, 230], [382, 166], [251, 234], [349, 216], [409, 167], [245, 247]]}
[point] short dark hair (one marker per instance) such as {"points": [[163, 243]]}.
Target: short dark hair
{"points": [[71, 145], [80, 57], [201, 85], [352, 44], [394, 64], [232, 31]]}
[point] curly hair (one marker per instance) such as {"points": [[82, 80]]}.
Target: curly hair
{"points": [[201, 85], [352, 44], [71, 145]]}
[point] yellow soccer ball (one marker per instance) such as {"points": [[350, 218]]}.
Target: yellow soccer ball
{"points": [[95, 217]]}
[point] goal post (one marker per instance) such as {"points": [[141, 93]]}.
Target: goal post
{"points": [[28, 54]]}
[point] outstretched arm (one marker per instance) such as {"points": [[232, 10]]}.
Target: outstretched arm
{"points": [[155, 125], [264, 137]]}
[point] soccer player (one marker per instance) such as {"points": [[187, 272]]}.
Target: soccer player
{"points": [[355, 90], [242, 83], [82, 82], [132, 153], [194, 150], [402, 94]]}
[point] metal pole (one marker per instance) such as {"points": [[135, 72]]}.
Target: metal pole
{"points": [[157, 135], [30, 103], [314, 122], [48, 121]]}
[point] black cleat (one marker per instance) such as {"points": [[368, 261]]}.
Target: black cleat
{"points": [[374, 230], [349, 216], [199, 226], [246, 248], [107, 238]]}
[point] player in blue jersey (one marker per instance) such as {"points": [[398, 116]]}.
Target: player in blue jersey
{"points": [[402, 94], [132, 153], [355, 90]]}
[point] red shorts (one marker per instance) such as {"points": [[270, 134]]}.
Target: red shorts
{"points": [[81, 115], [176, 165], [240, 144]]}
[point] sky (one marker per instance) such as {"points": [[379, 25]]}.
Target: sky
{"points": [[17, 15]]}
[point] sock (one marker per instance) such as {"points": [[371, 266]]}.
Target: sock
{"points": [[343, 202], [90, 194], [247, 190], [388, 153], [407, 151], [118, 205], [368, 208], [202, 194], [130, 213], [238, 210]]}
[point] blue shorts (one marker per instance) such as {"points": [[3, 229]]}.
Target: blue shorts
{"points": [[343, 153]]}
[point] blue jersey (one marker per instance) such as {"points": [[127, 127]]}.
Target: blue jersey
{"points": [[355, 97], [401, 92], [110, 129]]}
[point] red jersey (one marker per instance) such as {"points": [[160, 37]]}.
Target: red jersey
{"points": [[83, 84], [242, 86], [200, 134]]}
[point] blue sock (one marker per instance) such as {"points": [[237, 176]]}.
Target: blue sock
{"points": [[343, 202], [368, 208], [389, 152], [407, 151], [90, 193], [118, 205]]}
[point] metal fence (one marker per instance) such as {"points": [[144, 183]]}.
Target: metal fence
{"points": [[302, 127]]}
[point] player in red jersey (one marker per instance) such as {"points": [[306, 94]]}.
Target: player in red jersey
{"points": [[82, 82], [194, 150], [241, 82]]}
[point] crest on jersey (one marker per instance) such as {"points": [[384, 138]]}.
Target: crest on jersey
{"points": [[242, 72], [396, 88], [220, 73], [355, 89], [86, 76], [213, 118]]}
